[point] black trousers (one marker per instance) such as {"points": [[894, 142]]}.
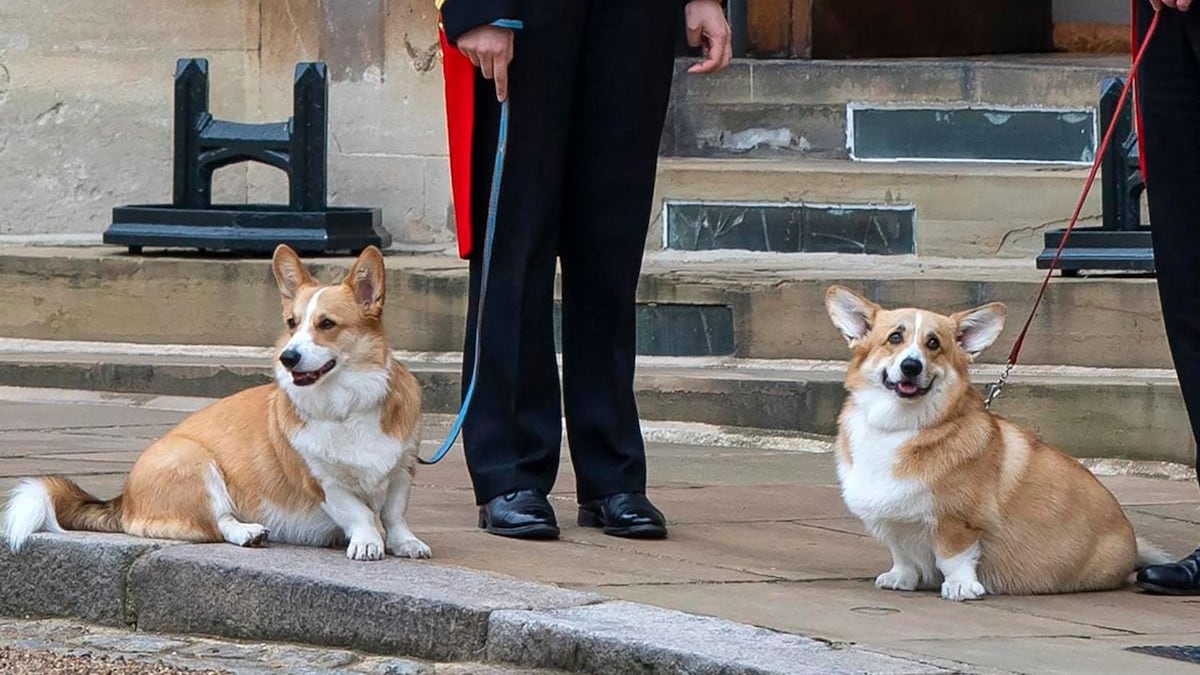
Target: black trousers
{"points": [[589, 86], [1169, 99]]}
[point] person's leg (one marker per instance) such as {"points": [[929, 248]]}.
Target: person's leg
{"points": [[513, 431], [1169, 99], [1169, 89], [620, 105]]}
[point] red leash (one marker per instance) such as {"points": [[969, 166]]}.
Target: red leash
{"points": [[997, 387]]}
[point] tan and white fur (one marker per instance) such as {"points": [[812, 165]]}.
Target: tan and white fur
{"points": [[324, 455], [966, 501]]}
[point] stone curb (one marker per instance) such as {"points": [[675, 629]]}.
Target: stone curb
{"points": [[1120, 414], [626, 637], [85, 577], [408, 608]]}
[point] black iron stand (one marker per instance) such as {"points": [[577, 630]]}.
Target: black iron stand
{"points": [[298, 147], [1122, 243]]}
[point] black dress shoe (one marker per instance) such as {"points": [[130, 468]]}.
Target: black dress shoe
{"points": [[524, 514], [628, 514], [1178, 578]]}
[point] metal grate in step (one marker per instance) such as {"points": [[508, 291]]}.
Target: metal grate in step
{"points": [[790, 227], [675, 329], [976, 134], [1187, 653]]}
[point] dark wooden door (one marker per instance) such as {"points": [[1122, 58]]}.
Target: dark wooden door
{"points": [[863, 29]]}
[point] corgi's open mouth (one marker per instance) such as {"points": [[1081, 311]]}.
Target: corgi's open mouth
{"points": [[906, 388], [304, 378]]}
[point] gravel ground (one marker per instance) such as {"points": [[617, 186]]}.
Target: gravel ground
{"points": [[44, 662]]}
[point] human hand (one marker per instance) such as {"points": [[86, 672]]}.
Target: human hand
{"points": [[708, 28], [491, 50], [1181, 5]]}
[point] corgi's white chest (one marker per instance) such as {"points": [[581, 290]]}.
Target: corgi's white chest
{"points": [[870, 487], [354, 453]]}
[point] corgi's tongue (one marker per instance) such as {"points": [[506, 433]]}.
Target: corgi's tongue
{"points": [[304, 378], [907, 388]]}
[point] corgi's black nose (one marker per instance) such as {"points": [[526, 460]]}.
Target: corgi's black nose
{"points": [[910, 367], [290, 358]]}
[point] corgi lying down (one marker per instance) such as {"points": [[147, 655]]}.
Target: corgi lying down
{"points": [[964, 499], [325, 454]]}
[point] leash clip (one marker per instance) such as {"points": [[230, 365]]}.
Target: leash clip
{"points": [[996, 388]]}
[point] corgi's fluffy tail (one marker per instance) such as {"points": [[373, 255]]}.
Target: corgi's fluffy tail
{"points": [[1149, 554], [53, 505]]}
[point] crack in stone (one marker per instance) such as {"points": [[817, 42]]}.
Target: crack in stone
{"points": [[1033, 229], [287, 5], [728, 582], [73, 429]]}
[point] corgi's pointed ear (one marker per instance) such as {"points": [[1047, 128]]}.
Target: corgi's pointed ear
{"points": [[366, 280], [290, 273], [853, 314], [978, 328]]}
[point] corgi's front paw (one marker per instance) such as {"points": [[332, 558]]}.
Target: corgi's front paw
{"points": [[365, 549], [410, 548], [959, 590], [898, 579]]}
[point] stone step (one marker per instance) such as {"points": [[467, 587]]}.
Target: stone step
{"points": [[927, 208], [763, 306], [1134, 414], [795, 108]]}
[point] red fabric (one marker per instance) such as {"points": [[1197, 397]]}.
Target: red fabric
{"points": [[1137, 108], [459, 75]]}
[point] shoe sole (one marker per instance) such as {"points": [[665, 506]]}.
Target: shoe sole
{"points": [[1165, 590], [595, 520], [540, 532]]}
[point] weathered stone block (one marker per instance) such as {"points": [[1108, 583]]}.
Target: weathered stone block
{"points": [[622, 637], [319, 597], [81, 575], [414, 193], [816, 82], [757, 130], [90, 131], [1065, 85]]}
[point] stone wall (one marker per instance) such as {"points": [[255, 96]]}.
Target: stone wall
{"points": [[86, 95]]}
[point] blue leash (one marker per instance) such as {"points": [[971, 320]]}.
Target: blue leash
{"points": [[488, 239]]}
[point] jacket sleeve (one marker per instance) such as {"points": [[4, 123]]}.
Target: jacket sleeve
{"points": [[460, 16]]}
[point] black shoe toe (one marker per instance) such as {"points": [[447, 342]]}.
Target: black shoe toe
{"points": [[522, 514], [1178, 578], [628, 514]]}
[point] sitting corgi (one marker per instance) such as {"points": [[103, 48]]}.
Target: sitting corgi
{"points": [[964, 499], [325, 454]]}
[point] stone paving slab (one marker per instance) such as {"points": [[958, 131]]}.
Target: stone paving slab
{"points": [[775, 550], [1187, 512], [579, 559], [855, 611], [1067, 655]]}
